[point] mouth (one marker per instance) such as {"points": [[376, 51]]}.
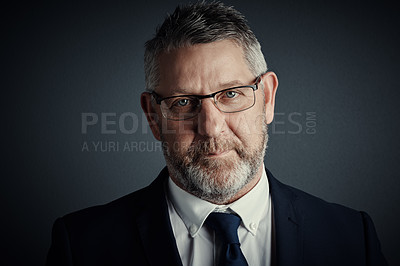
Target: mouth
{"points": [[218, 153]]}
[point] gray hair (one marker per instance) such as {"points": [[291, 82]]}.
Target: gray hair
{"points": [[201, 23]]}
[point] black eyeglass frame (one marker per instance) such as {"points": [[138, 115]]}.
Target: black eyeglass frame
{"points": [[159, 99]]}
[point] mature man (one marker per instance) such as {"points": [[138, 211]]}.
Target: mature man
{"points": [[209, 99]]}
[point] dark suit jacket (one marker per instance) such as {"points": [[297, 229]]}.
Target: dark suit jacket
{"points": [[136, 230]]}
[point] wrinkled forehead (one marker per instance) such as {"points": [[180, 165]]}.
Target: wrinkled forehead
{"points": [[202, 68]]}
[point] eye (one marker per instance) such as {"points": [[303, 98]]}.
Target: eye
{"points": [[231, 94], [182, 102]]}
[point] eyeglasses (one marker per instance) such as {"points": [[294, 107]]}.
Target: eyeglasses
{"points": [[230, 100]]}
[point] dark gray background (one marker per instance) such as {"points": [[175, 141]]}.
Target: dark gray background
{"points": [[338, 60]]}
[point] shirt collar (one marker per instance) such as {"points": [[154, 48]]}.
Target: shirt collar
{"points": [[194, 211]]}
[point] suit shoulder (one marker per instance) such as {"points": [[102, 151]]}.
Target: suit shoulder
{"points": [[329, 231], [122, 209], [315, 208], [307, 198]]}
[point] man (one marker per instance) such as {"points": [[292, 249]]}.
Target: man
{"points": [[209, 100]]}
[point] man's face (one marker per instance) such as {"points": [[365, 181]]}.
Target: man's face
{"points": [[214, 155]]}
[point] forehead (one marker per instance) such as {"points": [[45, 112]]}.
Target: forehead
{"points": [[202, 68]]}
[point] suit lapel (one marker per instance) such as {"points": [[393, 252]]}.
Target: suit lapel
{"points": [[287, 223], [159, 242], [155, 227]]}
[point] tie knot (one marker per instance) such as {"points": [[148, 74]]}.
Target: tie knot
{"points": [[225, 225]]}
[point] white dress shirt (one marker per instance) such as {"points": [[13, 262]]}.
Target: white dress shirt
{"points": [[196, 243]]}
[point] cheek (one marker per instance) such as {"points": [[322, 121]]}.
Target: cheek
{"points": [[177, 133], [246, 125], [183, 127]]}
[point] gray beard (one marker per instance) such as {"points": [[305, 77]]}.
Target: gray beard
{"points": [[215, 180]]}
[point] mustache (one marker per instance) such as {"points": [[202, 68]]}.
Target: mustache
{"points": [[197, 150]]}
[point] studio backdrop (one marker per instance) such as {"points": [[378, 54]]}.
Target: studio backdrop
{"points": [[76, 135]]}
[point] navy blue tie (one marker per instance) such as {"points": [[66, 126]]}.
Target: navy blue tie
{"points": [[225, 226]]}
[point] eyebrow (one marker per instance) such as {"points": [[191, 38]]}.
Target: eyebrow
{"points": [[234, 83]]}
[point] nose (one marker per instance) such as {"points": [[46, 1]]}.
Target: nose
{"points": [[211, 121]]}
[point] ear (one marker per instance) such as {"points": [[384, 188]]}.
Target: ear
{"points": [[270, 82], [151, 114]]}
